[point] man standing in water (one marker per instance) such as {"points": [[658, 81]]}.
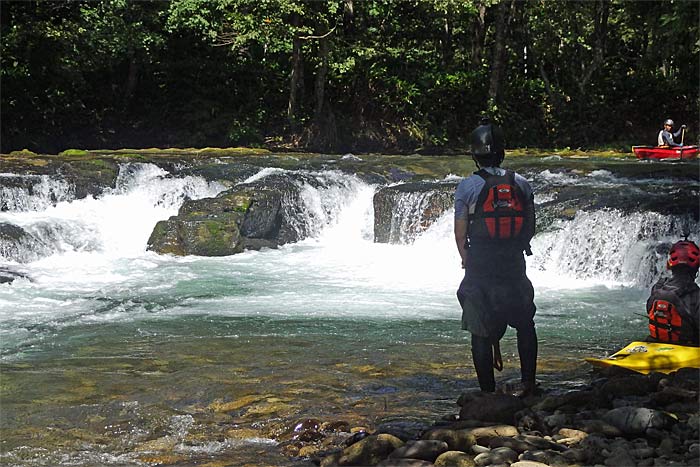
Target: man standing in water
{"points": [[494, 222]]}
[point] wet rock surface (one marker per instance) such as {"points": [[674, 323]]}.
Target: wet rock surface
{"points": [[592, 426]]}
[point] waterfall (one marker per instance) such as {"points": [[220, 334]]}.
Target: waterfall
{"points": [[117, 223], [310, 201], [610, 246], [33, 192], [403, 212], [607, 246]]}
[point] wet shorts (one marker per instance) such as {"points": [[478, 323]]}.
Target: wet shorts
{"points": [[489, 306]]}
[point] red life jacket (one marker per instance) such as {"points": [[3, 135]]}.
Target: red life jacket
{"points": [[664, 321], [666, 317], [499, 214]]}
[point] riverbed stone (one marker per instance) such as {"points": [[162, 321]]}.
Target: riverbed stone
{"points": [[515, 444], [492, 431], [627, 385], [570, 437], [457, 440], [404, 462], [502, 455], [637, 420], [454, 459], [545, 456], [618, 458], [425, 449], [600, 426], [370, 450], [528, 464]]}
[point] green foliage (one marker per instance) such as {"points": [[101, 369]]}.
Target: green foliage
{"points": [[393, 75]]}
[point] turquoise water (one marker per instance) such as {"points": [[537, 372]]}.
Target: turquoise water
{"points": [[111, 355]]}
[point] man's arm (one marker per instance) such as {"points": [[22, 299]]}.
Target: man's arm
{"points": [[668, 138], [461, 227]]}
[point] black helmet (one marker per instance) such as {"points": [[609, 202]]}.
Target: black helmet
{"points": [[487, 144]]}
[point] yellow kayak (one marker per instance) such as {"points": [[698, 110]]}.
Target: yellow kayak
{"points": [[646, 357]]}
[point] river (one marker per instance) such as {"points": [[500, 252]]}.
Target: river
{"points": [[114, 355]]}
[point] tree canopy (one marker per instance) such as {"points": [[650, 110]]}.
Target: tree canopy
{"points": [[344, 75]]}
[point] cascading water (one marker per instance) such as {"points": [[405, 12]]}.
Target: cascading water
{"points": [[609, 247], [136, 352]]}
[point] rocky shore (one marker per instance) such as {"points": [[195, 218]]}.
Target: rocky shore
{"points": [[619, 419]]}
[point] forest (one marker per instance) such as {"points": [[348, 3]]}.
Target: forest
{"points": [[345, 75]]}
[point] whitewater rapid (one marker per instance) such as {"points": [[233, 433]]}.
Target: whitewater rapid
{"points": [[93, 266]]}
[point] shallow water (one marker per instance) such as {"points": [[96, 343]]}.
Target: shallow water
{"points": [[112, 355]]}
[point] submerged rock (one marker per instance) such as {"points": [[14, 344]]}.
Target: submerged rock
{"points": [[16, 244]]}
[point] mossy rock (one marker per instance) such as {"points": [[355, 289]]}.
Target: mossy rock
{"points": [[74, 153], [23, 153]]}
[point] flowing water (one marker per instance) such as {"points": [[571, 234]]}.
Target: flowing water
{"points": [[112, 355]]}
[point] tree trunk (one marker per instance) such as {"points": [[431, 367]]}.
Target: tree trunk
{"points": [[498, 56], [447, 51], [320, 85], [131, 79], [600, 35], [478, 35], [295, 77]]}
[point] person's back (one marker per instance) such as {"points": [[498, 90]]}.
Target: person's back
{"points": [[673, 306], [494, 222]]}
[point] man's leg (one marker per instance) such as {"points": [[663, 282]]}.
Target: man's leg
{"points": [[482, 353], [527, 350]]}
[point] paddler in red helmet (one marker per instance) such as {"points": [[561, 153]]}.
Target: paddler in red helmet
{"points": [[674, 304]]}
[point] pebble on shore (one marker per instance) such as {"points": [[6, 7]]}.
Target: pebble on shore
{"points": [[620, 419]]}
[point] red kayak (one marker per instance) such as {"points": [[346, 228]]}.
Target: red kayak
{"points": [[656, 153]]}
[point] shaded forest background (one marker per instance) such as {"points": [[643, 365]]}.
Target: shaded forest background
{"points": [[344, 75]]}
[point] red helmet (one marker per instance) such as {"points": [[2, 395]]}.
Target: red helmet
{"points": [[684, 252]]}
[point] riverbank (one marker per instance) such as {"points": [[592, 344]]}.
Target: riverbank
{"points": [[617, 419]]}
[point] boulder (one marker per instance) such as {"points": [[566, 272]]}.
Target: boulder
{"points": [[204, 227], [491, 407], [637, 420], [370, 450], [265, 213]]}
